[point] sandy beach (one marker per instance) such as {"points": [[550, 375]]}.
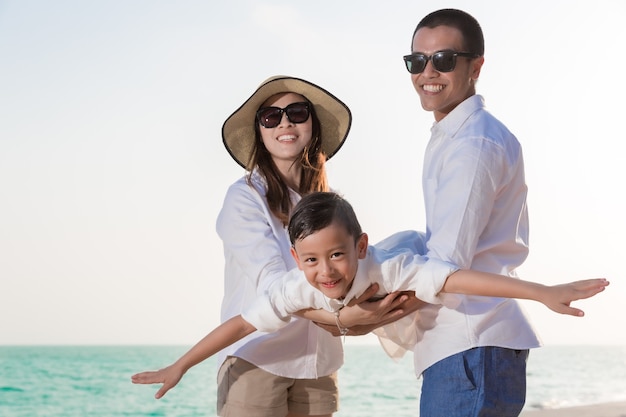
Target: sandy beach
{"points": [[597, 410]]}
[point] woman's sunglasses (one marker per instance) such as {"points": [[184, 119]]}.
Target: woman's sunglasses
{"points": [[270, 117], [443, 61]]}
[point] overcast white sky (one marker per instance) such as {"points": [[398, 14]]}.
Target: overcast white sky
{"points": [[112, 170]]}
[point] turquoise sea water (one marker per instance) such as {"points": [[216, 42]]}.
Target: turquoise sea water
{"points": [[82, 381]]}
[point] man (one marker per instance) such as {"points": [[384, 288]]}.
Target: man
{"points": [[473, 361]]}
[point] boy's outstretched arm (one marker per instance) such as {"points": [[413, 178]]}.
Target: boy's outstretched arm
{"points": [[555, 297], [222, 336]]}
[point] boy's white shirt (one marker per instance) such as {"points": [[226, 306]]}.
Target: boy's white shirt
{"points": [[393, 264]]}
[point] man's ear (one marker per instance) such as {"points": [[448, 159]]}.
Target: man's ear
{"points": [[361, 245], [477, 64], [295, 257]]}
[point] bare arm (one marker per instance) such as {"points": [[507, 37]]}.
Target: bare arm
{"points": [[555, 297], [222, 336]]}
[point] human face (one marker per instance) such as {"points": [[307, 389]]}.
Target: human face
{"points": [[441, 92], [286, 141], [329, 259]]}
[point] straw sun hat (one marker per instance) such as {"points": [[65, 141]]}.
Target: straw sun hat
{"points": [[334, 116]]}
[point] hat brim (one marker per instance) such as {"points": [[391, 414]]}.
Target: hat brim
{"points": [[334, 116]]}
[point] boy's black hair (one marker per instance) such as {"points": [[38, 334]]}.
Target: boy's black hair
{"points": [[473, 38], [318, 210]]}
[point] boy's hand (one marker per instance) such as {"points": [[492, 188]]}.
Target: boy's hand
{"points": [[169, 377], [559, 297]]}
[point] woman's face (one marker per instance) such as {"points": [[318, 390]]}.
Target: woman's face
{"points": [[287, 140]]}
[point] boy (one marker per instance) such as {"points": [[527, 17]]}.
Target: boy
{"points": [[332, 252]]}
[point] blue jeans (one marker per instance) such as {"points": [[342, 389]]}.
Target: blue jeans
{"points": [[480, 382]]}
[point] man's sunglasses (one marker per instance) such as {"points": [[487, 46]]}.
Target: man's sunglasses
{"points": [[270, 117], [443, 61]]}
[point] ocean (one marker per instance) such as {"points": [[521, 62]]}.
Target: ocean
{"points": [[94, 381]]}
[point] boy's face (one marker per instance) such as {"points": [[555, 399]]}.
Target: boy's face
{"points": [[329, 259], [441, 92]]}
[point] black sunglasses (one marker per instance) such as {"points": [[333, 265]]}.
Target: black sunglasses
{"points": [[270, 117], [443, 61]]}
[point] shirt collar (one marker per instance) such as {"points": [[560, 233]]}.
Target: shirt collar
{"points": [[450, 124]]}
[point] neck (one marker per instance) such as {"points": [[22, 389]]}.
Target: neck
{"points": [[290, 173]]}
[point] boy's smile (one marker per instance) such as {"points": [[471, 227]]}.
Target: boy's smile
{"points": [[329, 259]]}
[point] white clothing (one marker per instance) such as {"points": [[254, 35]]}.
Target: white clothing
{"points": [[257, 252], [393, 264], [476, 215]]}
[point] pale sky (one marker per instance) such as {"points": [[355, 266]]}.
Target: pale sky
{"points": [[112, 169]]}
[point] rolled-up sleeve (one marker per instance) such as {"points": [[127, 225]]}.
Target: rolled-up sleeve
{"points": [[285, 296], [408, 271], [430, 280], [263, 316]]}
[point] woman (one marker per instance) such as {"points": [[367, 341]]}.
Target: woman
{"points": [[282, 135]]}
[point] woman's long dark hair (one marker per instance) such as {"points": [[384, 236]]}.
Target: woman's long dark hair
{"points": [[313, 176]]}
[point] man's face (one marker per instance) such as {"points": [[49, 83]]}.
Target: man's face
{"points": [[441, 92], [329, 259]]}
